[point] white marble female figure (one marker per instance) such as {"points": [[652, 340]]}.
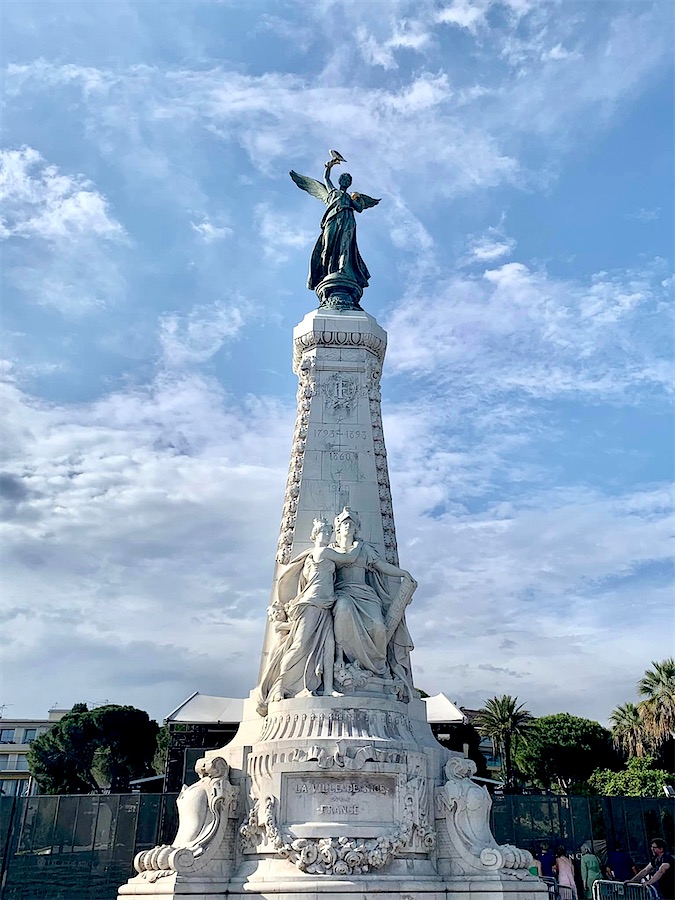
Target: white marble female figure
{"points": [[302, 662], [361, 603]]}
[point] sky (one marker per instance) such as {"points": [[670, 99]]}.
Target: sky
{"points": [[154, 260]]}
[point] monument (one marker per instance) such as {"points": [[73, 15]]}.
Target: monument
{"points": [[334, 785]]}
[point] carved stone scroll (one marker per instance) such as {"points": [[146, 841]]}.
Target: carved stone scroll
{"points": [[464, 812], [203, 810]]}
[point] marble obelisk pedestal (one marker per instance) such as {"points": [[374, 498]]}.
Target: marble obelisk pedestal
{"points": [[343, 792]]}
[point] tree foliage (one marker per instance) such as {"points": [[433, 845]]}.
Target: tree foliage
{"points": [[657, 686], [639, 779], [505, 722], [89, 751], [161, 750], [563, 750], [628, 730]]}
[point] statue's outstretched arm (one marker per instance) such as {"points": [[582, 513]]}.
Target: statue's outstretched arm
{"points": [[326, 177]]}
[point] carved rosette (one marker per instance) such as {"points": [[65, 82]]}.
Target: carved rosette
{"points": [[306, 390]]}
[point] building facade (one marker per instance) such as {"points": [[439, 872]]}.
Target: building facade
{"points": [[16, 736]]}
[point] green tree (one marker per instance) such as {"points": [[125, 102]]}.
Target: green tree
{"points": [[563, 750], [505, 722], [639, 779], [657, 686], [88, 751], [163, 741], [629, 730]]}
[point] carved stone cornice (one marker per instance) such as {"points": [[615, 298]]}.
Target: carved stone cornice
{"points": [[310, 340]]}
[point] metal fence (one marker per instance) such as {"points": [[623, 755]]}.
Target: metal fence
{"points": [[616, 890], [82, 847]]}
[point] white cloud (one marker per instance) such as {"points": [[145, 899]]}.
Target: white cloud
{"points": [[407, 34], [280, 233], [488, 247], [62, 243], [199, 335], [140, 531], [210, 232], [40, 202], [469, 14], [517, 329]]}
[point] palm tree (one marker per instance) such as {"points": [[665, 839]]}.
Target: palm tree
{"points": [[657, 686], [629, 730], [504, 722]]}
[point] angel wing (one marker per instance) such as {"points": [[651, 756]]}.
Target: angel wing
{"points": [[366, 201], [311, 185]]}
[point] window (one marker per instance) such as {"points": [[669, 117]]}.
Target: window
{"points": [[22, 762], [29, 734], [6, 735], [4, 761]]}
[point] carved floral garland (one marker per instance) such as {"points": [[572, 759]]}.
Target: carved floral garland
{"points": [[306, 390], [327, 856]]}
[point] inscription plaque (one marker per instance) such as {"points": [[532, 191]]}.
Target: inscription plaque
{"points": [[355, 798]]}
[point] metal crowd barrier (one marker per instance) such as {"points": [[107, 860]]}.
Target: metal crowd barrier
{"points": [[617, 890], [552, 886]]}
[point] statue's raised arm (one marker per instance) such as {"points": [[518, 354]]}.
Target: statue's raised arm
{"points": [[337, 271]]}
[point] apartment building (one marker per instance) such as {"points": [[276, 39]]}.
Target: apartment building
{"points": [[16, 736]]}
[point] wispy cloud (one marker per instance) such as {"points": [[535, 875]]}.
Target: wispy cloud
{"points": [[645, 215], [62, 242], [493, 244], [199, 335], [210, 232], [515, 328], [39, 201]]}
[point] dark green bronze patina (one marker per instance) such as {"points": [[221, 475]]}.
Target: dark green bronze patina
{"points": [[337, 271]]}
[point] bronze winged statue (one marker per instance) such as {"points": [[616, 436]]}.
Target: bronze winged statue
{"points": [[337, 271]]}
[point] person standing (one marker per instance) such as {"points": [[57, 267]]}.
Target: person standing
{"points": [[591, 870], [564, 871], [619, 864], [660, 872], [547, 860]]}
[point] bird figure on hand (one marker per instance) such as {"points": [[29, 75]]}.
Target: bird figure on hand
{"points": [[335, 158]]}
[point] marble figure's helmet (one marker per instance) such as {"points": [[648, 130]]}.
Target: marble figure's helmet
{"points": [[347, 513]]}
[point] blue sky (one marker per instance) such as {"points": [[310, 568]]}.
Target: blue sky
{"points": [[154, 256]]}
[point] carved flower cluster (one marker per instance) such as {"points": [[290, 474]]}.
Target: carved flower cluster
{"points": [[327, 856]]}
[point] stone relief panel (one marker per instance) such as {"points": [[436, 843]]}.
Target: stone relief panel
{"points": [[393, 803]]}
